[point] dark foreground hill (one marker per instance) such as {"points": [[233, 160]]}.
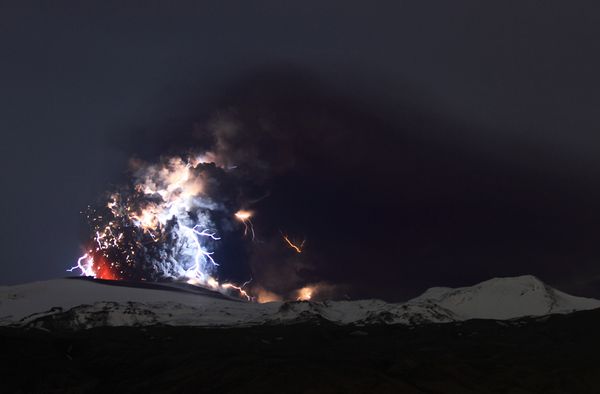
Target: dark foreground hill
{"points": [[552, 354]]}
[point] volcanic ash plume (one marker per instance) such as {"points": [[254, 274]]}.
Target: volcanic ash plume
{"points": [[165, 224], [159, 227]]}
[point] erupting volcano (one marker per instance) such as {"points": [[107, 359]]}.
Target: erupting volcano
{"points": [[162, 226]]}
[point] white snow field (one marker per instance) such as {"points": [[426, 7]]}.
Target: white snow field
{"points": [[84, 304]]}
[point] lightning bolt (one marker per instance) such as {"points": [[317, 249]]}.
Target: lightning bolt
{"points": [[240, 289], [87, 268], [297, 248], [193, 234]]}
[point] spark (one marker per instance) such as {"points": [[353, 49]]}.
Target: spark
{"points": [[297, 248], [244, 217]]}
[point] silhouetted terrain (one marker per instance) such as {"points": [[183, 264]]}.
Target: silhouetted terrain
{"points": [[553, 354]]}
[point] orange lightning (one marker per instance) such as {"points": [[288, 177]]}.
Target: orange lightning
{"points": [[297, 248], [240, 289]]}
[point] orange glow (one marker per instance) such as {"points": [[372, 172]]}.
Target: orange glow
{"points": [[305, 293], [266, 296], [147, 218], [243, 215]]}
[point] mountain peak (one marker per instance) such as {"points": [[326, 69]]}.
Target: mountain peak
{"points": [[505, 298]]}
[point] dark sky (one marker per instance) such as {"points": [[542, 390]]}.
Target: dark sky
{"points": [[451, 141]]}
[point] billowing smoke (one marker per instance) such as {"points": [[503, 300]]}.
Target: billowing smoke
{"points": [[167, 221], [162, 225], [172, 216]]}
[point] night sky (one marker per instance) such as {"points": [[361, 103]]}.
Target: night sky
{"points": [[413, 144]]}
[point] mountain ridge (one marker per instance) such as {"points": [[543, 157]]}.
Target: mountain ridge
{"points": [[82, 304]]}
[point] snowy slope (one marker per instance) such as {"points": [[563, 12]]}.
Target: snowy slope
{"points": [[24, 303], [505, 298], [77, 304], [85, 304]]}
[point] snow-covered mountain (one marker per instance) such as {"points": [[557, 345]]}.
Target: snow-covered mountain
{"points": [[77, 304], [505, 298]]}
